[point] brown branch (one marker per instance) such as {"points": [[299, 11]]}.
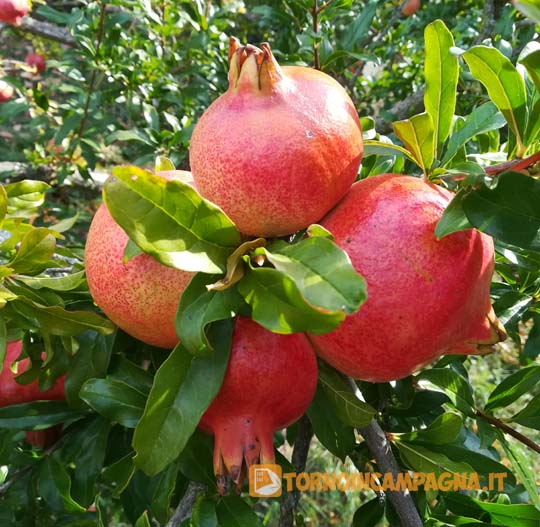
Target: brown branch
{"points": [[314, 14], [323, 6], [514, 164], [47, 30], [508, 430], [185, 507], [299, 459], [411, 105]]}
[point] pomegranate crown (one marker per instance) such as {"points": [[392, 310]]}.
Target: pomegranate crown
{"points": [[252, 67]]}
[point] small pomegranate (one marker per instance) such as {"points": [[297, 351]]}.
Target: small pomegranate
{"points": [[426, 297], [410, 7], [6, 91], [37, 61], [269, 383], [280, 148], [11, 392], [12, 11], [44, 438], [140, 296]]}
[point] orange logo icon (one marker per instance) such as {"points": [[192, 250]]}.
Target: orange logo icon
{"points": [[265, 481]]}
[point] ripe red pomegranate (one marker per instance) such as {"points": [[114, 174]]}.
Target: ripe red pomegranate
{"points": [[280, 148], [410, 7], [140, 296], [426, 297], [44, 438], [269, 383], [37, 61], [6, 91], [12, 392], [12, 11]]}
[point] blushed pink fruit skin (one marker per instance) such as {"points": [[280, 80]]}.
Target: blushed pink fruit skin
{"points": [[426, 297], [411, 7], [140, 296], [36, 60], [6, 91], [277, 162], [12, 11], [269, 384]]}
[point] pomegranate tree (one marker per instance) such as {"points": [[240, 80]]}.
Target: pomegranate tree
{"points": [[280, 148], [12, 11], [269, 383], [140, 296], [426, 297]]}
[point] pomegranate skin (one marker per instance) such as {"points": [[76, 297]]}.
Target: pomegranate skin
{"points": [[6, 91], [269, 384], [44, 438], [12, 11], [37, 61], [280, 148], [426, 297], [410, 7], [140, 296], [13, 393]]}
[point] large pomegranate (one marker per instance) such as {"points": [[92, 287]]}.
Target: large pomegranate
{"points": [[6, 91], [426, 297], [12, 11], [280, 148], [269, 383], [140, 296]]}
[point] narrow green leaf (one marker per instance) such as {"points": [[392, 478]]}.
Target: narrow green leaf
{"points": [[513, 387], [170, 221], [65, 225], [37, 414], [3, 203], [57, 283], [504, 85], [530, 415], [3, 341], [444, 429], [119, 474], [530, 58], [35, 252], [369, 514], [163, 164], [530, 8], [233, 511], [453, 218], [378, 148], [482, 119], [441, 72], [204, 513], [184, 387], [417, 134]]}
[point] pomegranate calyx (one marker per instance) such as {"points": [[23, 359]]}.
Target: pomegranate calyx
{"points": [[252, 67]]}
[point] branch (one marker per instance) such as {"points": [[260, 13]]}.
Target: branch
{"points": [[299, 458], [411, 105], [185, 507], [488, 22], [315, 14], [508, 430], [47, 30]]}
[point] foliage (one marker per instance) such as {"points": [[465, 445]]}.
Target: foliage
{"points": [[131, 88]]}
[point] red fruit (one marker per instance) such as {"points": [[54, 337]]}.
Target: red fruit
{"points": [[140, 296], [269, 383], [37, 61], [426, 297], [12, 392], [12, 11], [6, 91], [410, 7], [280, 148], [44, 438]]}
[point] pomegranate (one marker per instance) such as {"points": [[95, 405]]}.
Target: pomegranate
{"points": [[44, 438], [410, 7], [269, 383], [6, 91], [140, 296], [11, 392], [37, 61], [426, 297], [12, 11], [280, 148]]}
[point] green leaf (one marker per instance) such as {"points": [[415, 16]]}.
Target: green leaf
{"points": [[453, 385], [3, 203], [333, 434], [482, 119], [65, 225], [119, 474], [351, 410], [184, 387], [25, 196], [115, 400], [513, 387], [170, 221], [163, 164], [421, 459], [530, 58], [530, 415], [441, 72], [378, 148], [55, 486], [322, 272], [417, 134], [204, 513], [530, 8], [143, 520], [27, 416], [3, 341], [504, 85], [369, 514], [233, 511], [510, 211], [57, 283], [164, 493], [199, 307], [453, 218], [444, 429], [35, 252], [196, 459]]}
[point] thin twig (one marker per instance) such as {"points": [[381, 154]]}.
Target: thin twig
{"points": [[323, 6], [508, 430], [46, 30], [185, 507], [299, 459], [315, 14]]}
